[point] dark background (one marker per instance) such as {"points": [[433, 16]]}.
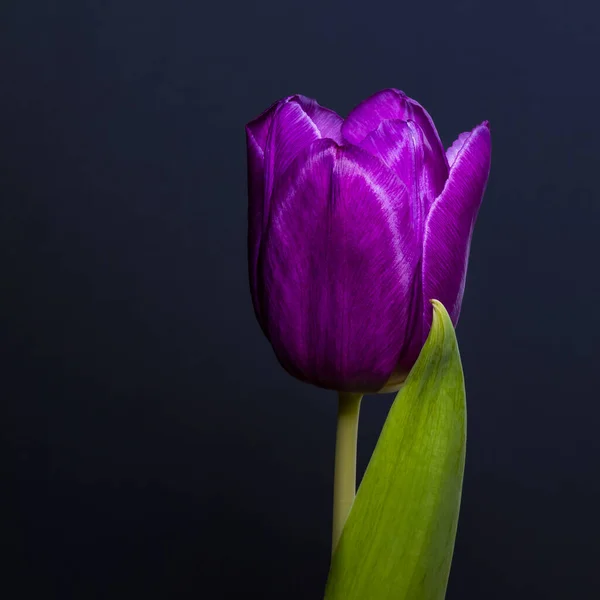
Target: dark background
{"points": [[151, 444]]}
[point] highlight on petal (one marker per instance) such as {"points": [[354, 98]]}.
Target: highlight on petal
{"points": [[327, 121], [258, 129], [274, 139], [449, 226], [453, 151], [291, 131], [257, 132], [402, 146], [294, 126], [390, 104], [336, 265]]}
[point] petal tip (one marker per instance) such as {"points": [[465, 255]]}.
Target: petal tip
{"points": [[484, 125], [396, 91]]}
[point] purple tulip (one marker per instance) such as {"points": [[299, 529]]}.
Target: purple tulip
{"points": [[354, 225]]}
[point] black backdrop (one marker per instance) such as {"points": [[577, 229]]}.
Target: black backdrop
{"points": [[151, 445]]}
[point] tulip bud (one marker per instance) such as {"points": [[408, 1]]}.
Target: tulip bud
{"points": [[354, 225]]}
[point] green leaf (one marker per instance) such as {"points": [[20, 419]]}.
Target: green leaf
{"points": [[399, 537]]}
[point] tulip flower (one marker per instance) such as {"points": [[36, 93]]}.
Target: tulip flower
{"points": [[354, 226]]}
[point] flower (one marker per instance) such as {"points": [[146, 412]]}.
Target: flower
{"points": [[354, 225]]}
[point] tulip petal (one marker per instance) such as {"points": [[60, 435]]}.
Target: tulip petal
{"points": [[257, 132], [453, 151], [258, 129], [402, 147], [328, 122], [291, 131], [273, 141], [390, 104], [449, 226], [337, 264]]}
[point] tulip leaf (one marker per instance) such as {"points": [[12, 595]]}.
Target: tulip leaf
{"points": [[399, 537]]}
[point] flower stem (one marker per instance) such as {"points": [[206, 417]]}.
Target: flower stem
{"points": [[344, 481]]}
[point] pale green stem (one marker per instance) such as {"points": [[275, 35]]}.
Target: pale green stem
{"points": [[344, 480]]}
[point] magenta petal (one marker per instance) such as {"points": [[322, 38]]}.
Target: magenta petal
{"points": [[402, 147], [449, 226], [453, 151], [328, 122], [390, 104], [274, 139], [257, 132], [337, 264], [291, 131], [258, 129]]}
